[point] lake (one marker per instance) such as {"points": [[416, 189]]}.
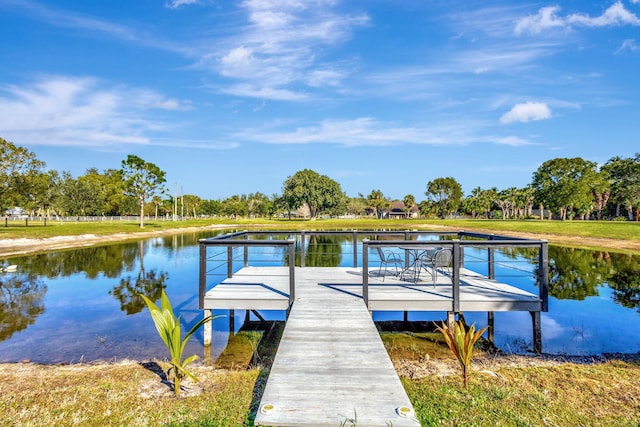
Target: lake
{"points": [[83, 305]]}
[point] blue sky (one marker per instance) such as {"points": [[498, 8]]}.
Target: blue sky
{"points": [[232, 97]]}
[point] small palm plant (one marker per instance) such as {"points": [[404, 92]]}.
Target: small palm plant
{"points": [[169, 329], [461, 343]]}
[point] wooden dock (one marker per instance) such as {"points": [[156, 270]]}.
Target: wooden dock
{"points": [[331, 366], [267, 288]]}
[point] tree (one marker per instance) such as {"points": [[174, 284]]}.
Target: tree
{"points": [[235, 206], [356, 206], [624, 179], [157, 204], [18, 169], [408, 201], [378, 202], [211, 207], [191, 204], [563, 184], [141, 180], [479, 202], [446, 193], [45, 190], [78, 197], [505, 201], [514, 202], [259, 205], [319, 192]]}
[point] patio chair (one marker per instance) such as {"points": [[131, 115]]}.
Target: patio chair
{"points": [[440, 260], [389, 259]]}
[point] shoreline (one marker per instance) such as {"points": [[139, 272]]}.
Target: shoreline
{"points": [[24, 246]]}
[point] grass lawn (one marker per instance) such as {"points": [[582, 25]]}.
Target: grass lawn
{"points": [[596, 229], [605, 393]]}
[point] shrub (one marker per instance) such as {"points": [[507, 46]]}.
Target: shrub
{"points": [[168, 326], [461, 343]]}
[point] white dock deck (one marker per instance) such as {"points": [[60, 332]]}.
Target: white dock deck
{"points": [[267, 288], [331, 365]]}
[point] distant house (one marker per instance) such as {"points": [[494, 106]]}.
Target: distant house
{"points": [[398, 211], [16, 212]]}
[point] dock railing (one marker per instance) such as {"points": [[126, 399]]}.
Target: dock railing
{"points": [[239, 240], [361, 242], [489, 241]]}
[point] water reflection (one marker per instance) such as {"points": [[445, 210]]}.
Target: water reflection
{"points": [[108, 261], [147, 283], [625, 282], [21, 302], [85, 304], [575, 274], [322, 250]]}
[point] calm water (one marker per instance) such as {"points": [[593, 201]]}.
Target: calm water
{"points": [[83, 304]]}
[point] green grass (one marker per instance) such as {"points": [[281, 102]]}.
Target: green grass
{"points": [[569, 394], [597, 229], [38, 230], [566, 395], [120, 395]]}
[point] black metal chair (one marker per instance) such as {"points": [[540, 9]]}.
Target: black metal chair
{"points": [[441, 260], [389, 258]]}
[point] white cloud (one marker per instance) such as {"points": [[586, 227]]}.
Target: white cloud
{"points": [[174, 4], [238, 62], [61, 110], [279, 50], [254, 91], [320, 77], [616, 14], [513, 141], [628, 44], [547, 18], [527, 112], [92, 25], [369, 132]]}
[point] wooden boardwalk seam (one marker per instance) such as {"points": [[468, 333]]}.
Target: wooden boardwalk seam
{"points": [[331, 365]]}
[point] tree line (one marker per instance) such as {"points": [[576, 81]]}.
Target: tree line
{"points": [[561, 188]]}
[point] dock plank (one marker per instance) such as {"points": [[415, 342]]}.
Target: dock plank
{"points": [[331, 365]]}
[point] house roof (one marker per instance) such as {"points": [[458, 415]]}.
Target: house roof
{"points": [[399, 206]]}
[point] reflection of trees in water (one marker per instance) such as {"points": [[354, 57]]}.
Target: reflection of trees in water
{"points": [[575, 273], [149, 283], [323, 250], [625, 281], [21, 302], [173, 242], [109, 261]]}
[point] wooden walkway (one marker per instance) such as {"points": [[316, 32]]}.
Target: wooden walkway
{"points": [[331, 365]]}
